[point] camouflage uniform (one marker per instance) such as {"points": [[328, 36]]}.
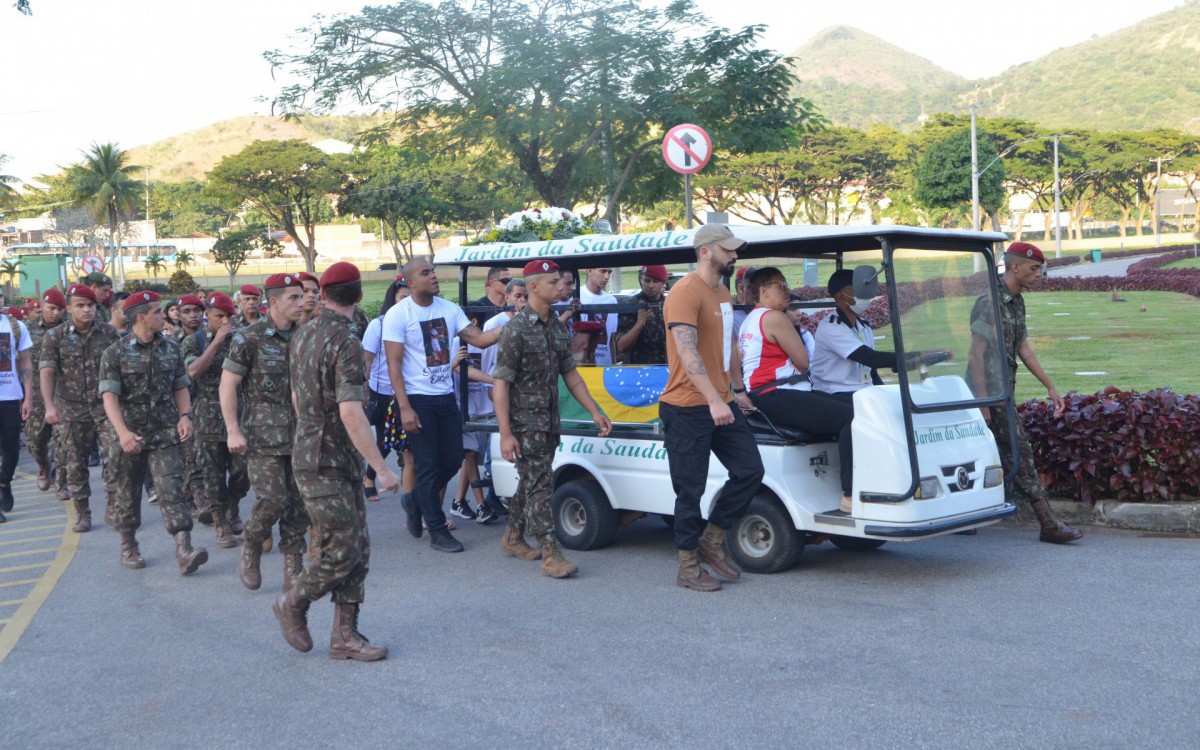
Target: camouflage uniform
{"points": [[239, 321], [327, 370], [532, 354], [359, 323], [145, 377], [193, 478], [75, 359], [651, 345], [259, 354], [225, 475], [38, 434]]}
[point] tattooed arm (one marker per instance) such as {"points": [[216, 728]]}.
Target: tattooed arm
{"points": [[693, 365]]}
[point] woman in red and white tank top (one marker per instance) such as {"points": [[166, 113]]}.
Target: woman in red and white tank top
{"points": [[772, 353]]}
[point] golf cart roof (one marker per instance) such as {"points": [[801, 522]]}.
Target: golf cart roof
{"points": [[676, 246]]}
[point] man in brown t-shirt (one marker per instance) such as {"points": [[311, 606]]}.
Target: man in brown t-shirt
{"points": [[698, 413]]}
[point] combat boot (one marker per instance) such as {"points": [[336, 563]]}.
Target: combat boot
{"points": [[291, 610], [293, 565], [43, 480], [62, 495], [225, 536], [189, 559], [513, 542], [267, 543], [249, 572], [712, 553], [131, 557], [235, 520], [1053, 532], [554, 564], [83, 517], [692, 574], [345, 642]]}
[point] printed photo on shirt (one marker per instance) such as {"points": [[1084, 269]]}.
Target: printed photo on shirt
{"points": [[6, 350], [436, 337]]}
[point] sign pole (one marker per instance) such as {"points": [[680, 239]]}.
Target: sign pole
{"points": [[687, 200]]}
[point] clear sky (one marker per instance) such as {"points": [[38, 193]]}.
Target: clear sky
{"points": [[136, 71]]}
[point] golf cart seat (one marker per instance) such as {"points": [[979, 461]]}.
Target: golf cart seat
{"points": [[762, 427]]}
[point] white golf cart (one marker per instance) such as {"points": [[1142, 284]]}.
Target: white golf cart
{"points": [[925, 462]]}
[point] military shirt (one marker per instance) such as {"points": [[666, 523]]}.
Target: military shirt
{"points": [[239, 320], [532, 354], [1013, 332], [206, 401], [651, 345], [259, 353], [74, 357], [327, 370], [145, 377], [359, 323], [37, 333]]}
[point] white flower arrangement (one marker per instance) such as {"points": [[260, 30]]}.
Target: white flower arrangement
{"points": [[551, 215]]}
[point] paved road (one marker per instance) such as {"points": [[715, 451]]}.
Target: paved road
{"points": [[1104, 268], [986, 641]]}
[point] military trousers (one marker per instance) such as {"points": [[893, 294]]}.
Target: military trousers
{"points": [[75, 441], [276, 501], [1025, 480], [193, 476], [529, 509], [38, 435], [166, 465], [225, 476], [339, 524]]}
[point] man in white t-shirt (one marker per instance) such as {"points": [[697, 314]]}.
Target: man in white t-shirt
{"points": [[16, 398], [593, 293], [416, 334], [845, 360]]}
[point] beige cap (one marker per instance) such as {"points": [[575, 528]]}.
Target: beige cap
{"points": [[718, 234]]}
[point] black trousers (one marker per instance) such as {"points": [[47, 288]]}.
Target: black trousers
{"points": [[691, 437], [437, 451], [818, 413], [10, 439]]}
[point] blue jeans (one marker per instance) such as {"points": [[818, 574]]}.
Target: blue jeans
{"points": [[437, 451]]}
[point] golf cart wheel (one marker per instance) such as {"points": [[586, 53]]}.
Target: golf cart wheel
{"points": [[583, 517], [856, 544], [764, 539]]}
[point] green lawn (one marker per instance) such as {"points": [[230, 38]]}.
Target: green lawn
{"points": [[1186, 263]]}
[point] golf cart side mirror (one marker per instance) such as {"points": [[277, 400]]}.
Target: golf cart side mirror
{"points": [[866, 282]]}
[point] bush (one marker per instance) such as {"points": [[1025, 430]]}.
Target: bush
{"points": [[141, 285], [1124, 444], [181, 283]]}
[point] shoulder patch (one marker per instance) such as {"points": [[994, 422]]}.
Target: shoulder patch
{"points": [[238, 338]]}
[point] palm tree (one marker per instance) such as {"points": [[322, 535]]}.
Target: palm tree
{"points": [[10, 270], [6, 182], [155, 263], [104, 183], [183, 259]]}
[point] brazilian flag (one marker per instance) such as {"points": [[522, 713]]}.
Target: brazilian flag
{"points": [[625, 393]]}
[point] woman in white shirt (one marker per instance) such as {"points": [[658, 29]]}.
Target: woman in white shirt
{"points": [[380, 394], [775, 365]]}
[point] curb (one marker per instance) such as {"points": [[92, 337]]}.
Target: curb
{"points": [[1162, 518]]}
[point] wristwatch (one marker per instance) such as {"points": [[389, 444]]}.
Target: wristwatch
{"points": [[187, 414], [738, 390]]}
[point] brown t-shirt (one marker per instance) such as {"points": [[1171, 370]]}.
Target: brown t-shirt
{"points": [[693, 302]]}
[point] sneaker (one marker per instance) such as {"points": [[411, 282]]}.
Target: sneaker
{"points": [[412, 515], [462, 509], [499, 505], [486, 514], [6, 498], [444, 541]]}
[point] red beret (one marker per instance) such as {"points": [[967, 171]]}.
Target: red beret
{"points": [[278, 281], [253, 290], [306, 276], [222, 302], [658, 273], [534, 267], [16, 312], [340, 273], [1026, 250], [191, 299], [55, 297], [399, 277], [139, 298], [82, 290]]}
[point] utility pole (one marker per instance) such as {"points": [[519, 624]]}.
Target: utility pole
{"points": [[1157, 208], [1057, 204]]}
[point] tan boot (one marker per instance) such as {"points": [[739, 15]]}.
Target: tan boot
{"points": [[513, 542], [225, 536], [1053, 532], [712, 553], [189, 558], [554, 564], [43, 480], [291, 610], [345, 642], [249, 573], [131, 557], [293, 565], [83, 518], [692, 575]]}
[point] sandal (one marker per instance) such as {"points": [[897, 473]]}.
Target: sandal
{"points": [[371, 493]]}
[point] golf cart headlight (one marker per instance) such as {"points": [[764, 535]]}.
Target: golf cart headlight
{"points": [[993, 476], [929, 488]]}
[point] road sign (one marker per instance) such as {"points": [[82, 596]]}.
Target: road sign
{"points": [[687, 148], [92, 264]]}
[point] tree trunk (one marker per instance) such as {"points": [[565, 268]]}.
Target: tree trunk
{"points": [[1124, 223], [994, 214], [1141, 218]]}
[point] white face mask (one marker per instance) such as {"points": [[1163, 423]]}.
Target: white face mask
{"points": [[860, 306]]}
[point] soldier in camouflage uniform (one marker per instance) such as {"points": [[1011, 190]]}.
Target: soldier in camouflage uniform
{"points": [[312, 296], [641, 337], [258, 363], [1023, 267], [535, 348], [102, 285], [224, 474], [38, 433], [332, 436], [145, 390], [249, 301], [191, 318], [69, 369]]}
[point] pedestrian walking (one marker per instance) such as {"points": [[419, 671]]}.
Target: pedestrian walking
{"points": [[38, 433], [16, 399]]}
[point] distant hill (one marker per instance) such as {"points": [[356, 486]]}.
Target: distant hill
{"points": [[1141, 77], [190, 155]]}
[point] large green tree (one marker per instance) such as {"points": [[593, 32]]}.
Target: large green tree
{"points": [[105, 183], [236, 246], [943, 177], [288, 182], [398, 187], [577, 94], [183, 208]]}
